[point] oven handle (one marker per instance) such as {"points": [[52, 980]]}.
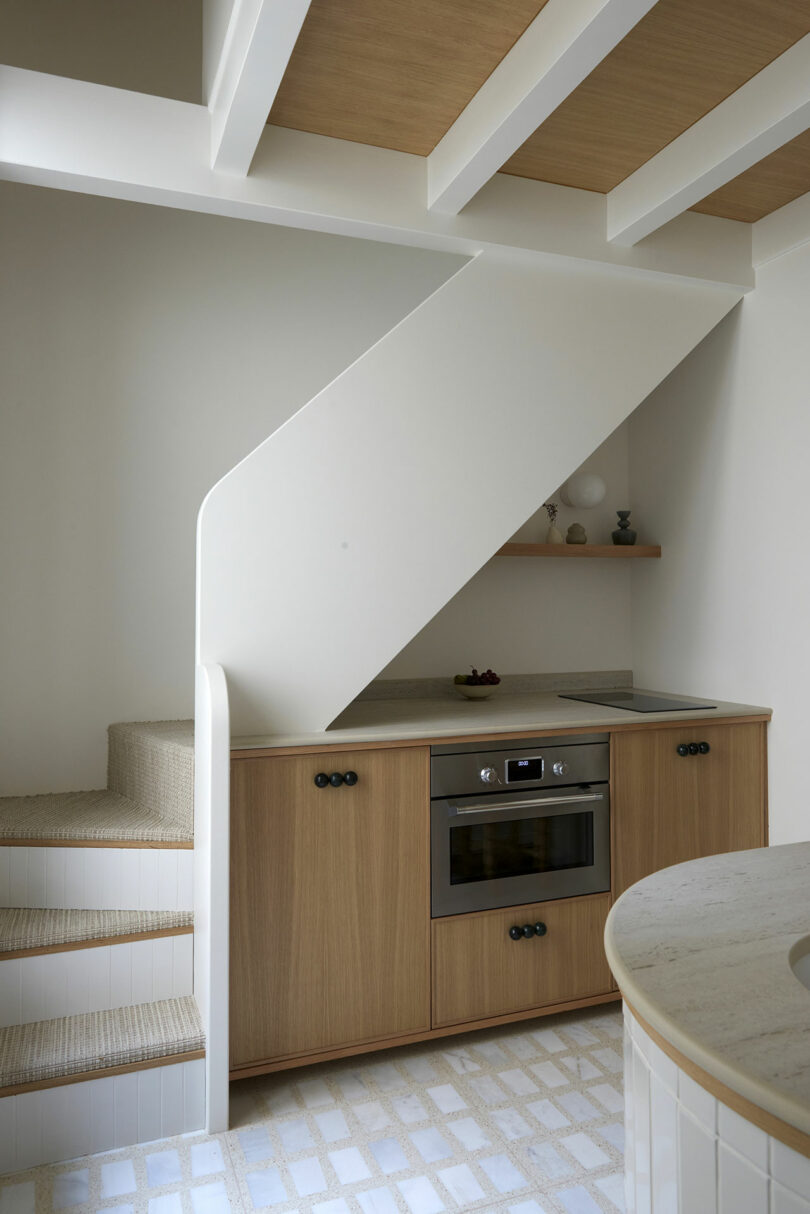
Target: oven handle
{"points": [[537, 804]]}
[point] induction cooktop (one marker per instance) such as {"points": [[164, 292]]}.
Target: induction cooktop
{"points": [[633, 701]]}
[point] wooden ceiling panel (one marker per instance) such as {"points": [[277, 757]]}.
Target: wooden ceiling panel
{"points": [[395, 73], [679, 62], [765, 187]]}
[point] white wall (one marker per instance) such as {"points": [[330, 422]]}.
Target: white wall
{"points": [[719, 475], [143, 352], [147, 46], [522, 615]]}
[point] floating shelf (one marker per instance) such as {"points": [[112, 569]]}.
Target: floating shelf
{"points": [[624, 552]]}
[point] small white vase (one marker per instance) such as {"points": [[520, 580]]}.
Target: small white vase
{"points": [[553, 536]]}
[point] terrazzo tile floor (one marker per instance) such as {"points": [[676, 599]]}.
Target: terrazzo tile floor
{"points": [[525, 1119]]}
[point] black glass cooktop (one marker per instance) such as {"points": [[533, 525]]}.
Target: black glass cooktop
{"points": [[634, 701]]}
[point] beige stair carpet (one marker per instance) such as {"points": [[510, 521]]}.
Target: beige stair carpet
{"points": [[99, 815], [36, 928], [152, 762], [49, 1049]]}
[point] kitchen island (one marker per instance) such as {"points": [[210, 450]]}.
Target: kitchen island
{"points": [[711, 957]]}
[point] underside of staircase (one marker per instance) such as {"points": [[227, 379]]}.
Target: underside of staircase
{"points": [[101, 1043]]}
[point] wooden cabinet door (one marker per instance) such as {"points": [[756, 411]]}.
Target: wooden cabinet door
{"points": [[330, 902], [480, 972], [668, 808]]}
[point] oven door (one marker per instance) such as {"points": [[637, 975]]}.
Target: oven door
{"points": [[496, 851]]}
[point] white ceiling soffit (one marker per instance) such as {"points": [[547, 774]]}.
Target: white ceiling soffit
{"points": [[782, 231], [772, 108], [260, 38], [564, 43], [72, 135]]}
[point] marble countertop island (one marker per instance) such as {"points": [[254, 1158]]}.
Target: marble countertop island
{"points": [[702, 953], [449, 716]]}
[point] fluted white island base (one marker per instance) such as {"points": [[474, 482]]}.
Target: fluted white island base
{"points": [[686, 1153]]}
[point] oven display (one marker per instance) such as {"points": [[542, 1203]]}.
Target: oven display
{"points": [[524, 769]]}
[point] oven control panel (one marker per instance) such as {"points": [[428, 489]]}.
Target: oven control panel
{"points": [[465, 769]]}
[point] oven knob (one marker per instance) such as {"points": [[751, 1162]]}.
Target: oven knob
{"points": [[488, 775], [560, 768]]}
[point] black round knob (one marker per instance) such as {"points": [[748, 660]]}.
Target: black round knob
{"points": [[515, 933], [683, 750], [322, 779], [693, 748], [540, 929], [704, 748], [350, 778], [528, 931], [336, 779]]}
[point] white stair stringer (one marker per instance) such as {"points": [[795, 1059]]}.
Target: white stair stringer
{"points": [[332, 544]]}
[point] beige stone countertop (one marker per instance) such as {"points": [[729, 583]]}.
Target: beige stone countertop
{"points": [[701, 952], [446, 717]]}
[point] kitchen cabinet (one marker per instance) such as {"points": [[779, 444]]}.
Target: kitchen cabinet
{"points": [[479, 971], [669, 807], [330, 911]]}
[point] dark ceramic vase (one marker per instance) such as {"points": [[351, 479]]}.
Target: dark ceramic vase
{"points": [[625, 533]]}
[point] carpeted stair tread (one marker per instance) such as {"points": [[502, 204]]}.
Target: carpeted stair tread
{"points": [[71, 1045], [97, 815], [22, 929], [152, 762]]}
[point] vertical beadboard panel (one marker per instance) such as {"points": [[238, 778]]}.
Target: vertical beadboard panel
{"points": [[150, 1120], [664, 1134], [95, 979], [81, 1118], [97, 878]]}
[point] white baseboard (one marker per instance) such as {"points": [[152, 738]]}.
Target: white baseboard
{"points": [[95, 979], [97, 878], [59, 1123]]}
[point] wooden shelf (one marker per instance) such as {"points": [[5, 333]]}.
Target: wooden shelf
{"points": [[624, 552]]}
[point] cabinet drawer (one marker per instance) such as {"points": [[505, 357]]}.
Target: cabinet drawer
{"points": [[479, 971]]}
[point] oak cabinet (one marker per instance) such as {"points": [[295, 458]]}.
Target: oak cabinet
{"points": [[479, 971], [330, 912], [668, 807]]}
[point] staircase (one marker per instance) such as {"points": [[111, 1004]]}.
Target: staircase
{"points": [[101, 1043]]}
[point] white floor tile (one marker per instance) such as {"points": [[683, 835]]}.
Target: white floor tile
{"points": [[307, 1176], [447, 1099], [294, 1135], [430, 1144], [332, 1125], [420, 1195], [266, 1188], [18, 1198], [549, 1040], [118, 1178], [410, 1109], [210, 1199], [349, 1165], [71, 1189], [585, 1150], [163, 1167], [503, 1173], [372, 1116], [378, 1201], [389, 1155], [461, 1184], [315, 1093], [469, 1133], [548, 1114], [550, 1075], [579, 1201], [167, 1203], [545, 1157], [255, 1144], [511, 1124]]}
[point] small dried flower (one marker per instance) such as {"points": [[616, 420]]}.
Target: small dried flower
{"points": [[552, 511]]}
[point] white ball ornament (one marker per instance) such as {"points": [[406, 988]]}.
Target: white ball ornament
{"points": [[583, 490]]}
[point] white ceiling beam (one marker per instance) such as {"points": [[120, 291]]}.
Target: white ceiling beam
{"points": [[782, 231], [72, 135], [772, 108], [564, 43], [260, 38]]}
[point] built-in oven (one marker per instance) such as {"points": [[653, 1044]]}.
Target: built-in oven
{"points": [[522, 823]]}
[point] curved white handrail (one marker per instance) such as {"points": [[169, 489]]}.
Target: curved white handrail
{"points": [[212, 756]]}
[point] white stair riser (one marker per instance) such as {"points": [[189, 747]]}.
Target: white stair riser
{"points": [[95, 979], [97, 878], [81, 1118]]}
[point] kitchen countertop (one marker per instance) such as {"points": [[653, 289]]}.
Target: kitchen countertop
{"points": [[701, 952], [402, 719]]}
